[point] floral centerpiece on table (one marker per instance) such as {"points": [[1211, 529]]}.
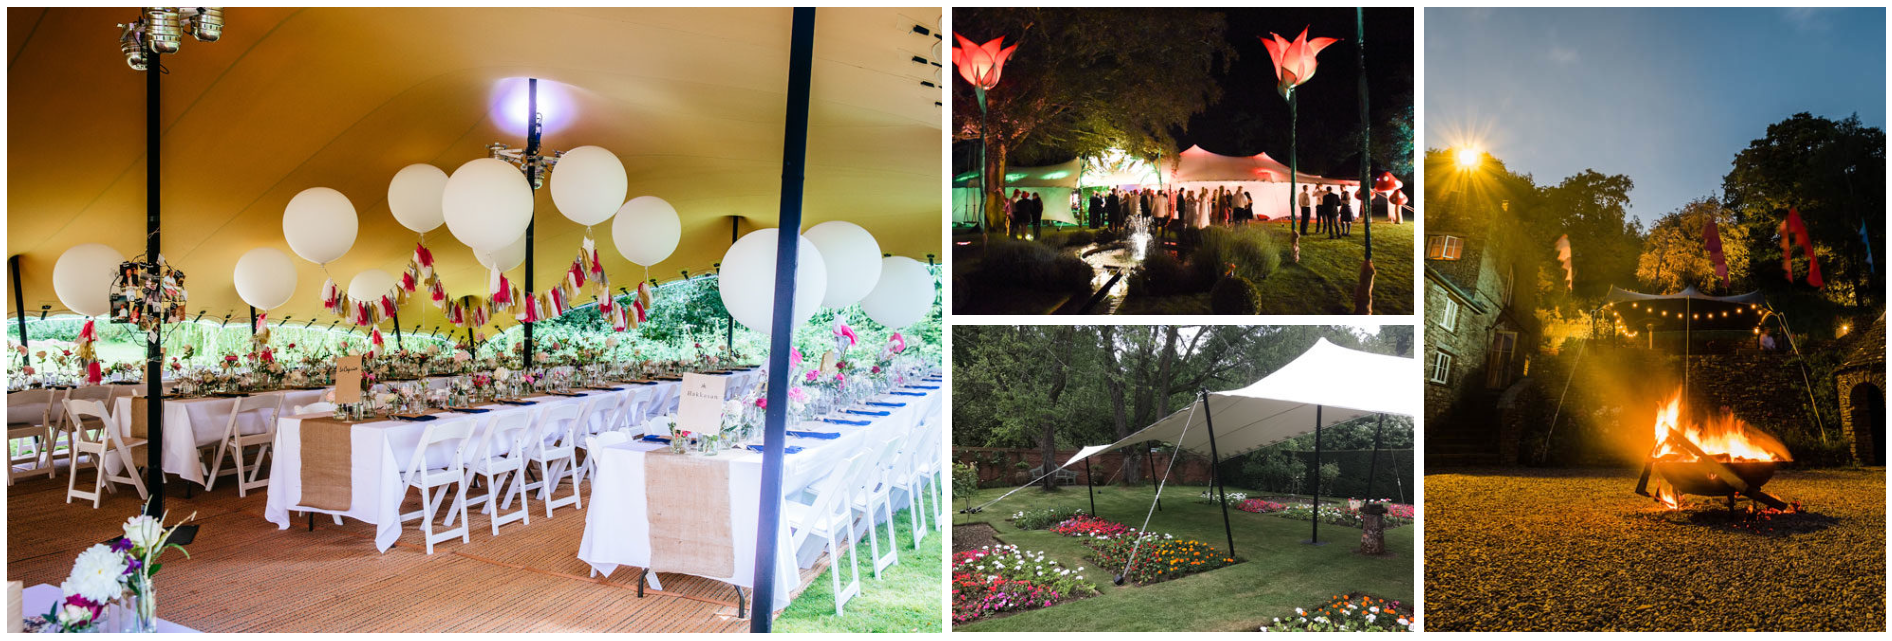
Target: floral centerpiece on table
{"points": [[116, 575]]}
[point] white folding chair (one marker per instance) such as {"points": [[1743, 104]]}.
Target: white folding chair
{"points": [[86, 418], [926, 473], [592, 443], [873, 496], [830, 518], [904, 476], [434, 481], [234, 441], [501, 451], [39, 431], [552, 444]]}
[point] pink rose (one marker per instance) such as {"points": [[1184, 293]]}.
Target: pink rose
{"points": [[811, 376], [795, 394]]}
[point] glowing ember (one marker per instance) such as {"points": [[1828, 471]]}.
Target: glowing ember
{"points": [[1667, 497], [1724, 437]]}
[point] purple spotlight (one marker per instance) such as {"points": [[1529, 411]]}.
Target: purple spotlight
{"points": [[510, 109]]}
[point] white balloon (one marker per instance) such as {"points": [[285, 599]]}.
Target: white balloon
{"points": [[747, 283], [320, 224], [506, 258], [646, 230], [83, 278], [370, 285], [853, 258], [904, 294], [265, 278], [414, 197], [588, 185], [487, 203]]}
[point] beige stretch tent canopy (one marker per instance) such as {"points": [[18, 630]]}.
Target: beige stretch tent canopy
{"points": [[691, 100], [1261, 175], [1346, 383]]}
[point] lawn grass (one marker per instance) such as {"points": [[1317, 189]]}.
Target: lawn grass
{"points": [[1323, 282], [1577, 550], [906, 597], [1278, 572]]}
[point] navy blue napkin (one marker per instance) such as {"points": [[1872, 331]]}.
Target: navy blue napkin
{"points": [[909, 393], [786, 449], [423, 417], [922, 387], [842, 421], [820, 435], [867, 412], [656, 439], [520, 402], [883, 404], [473, 410]]}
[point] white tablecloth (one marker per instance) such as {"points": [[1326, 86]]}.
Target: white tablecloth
{"points": [[193, 423], [379, 454], [617, 527], [39, 599]]}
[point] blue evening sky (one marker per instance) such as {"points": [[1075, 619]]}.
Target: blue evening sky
{"points": [[1666, 96]]}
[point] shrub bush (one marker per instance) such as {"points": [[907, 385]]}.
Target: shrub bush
{"points": [[1234, 295], [1162, 274], [1250, 252], [1032, 265]]}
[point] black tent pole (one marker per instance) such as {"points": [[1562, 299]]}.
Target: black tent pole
{"points": [[1149, 454], [533, 130], [1316, 538], [801, 53], [154, 347], [1373, 468], [19, 303], [1215, 474], [1087, 485]]}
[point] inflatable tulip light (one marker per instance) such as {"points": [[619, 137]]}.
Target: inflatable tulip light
{"points": [[981, 65], [1293, 65]]}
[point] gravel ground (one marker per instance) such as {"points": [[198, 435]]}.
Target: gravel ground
{"points": [[1577, 550]]}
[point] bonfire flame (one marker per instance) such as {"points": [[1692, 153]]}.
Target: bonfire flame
{"points": [[1724, 437]]}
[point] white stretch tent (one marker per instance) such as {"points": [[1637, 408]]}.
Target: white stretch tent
{"points": [[1261, 175], [1053, 183], [1346, 383], [1327, 384]]}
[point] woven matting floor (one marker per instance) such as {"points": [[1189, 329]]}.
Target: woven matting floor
{"points": [[245, 575]]}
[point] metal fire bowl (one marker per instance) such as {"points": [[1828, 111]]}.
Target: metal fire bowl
{"points": [[1698, 478]]}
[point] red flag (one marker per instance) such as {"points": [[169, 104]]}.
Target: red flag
{"points": [[1791, 228], [1711, 238]]}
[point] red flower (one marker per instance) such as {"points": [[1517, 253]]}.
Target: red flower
{"points": [[1294, 62], [981, 65]]}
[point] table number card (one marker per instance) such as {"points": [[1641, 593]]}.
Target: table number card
{"points": [[347, 379], [701, 408]]}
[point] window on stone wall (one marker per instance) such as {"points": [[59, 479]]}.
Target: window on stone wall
{"points": [[1444, 247], [1441, 370], [1448, 315]]}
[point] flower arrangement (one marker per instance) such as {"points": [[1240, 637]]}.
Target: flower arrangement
{"points": [[998, 579], [1159, 557], [107, 575], [1348, 613], [1234, 498], [1260, 506], [1090, 526]]}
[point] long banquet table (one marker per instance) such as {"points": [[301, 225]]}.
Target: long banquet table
{"points": [[618, 520], [193, 423]]}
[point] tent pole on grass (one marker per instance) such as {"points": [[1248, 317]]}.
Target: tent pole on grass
{"points": [[1315, 540], [1215, 464], [1087, 485], [801, 50]]}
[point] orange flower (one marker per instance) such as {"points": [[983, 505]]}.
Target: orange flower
{"points": [[1294, 62], [981, 65]]}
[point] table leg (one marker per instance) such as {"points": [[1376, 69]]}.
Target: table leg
{"points": [[742, 606], [641, 575]]}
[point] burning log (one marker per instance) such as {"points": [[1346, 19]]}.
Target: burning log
{"points": [[1744, 460]]}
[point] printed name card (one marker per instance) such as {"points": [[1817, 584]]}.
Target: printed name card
{"points": [[347, 379], [701, 407]]}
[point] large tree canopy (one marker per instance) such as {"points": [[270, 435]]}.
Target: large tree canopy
{"points": [[1675, 252], [1833, 172], [1087, 80]]}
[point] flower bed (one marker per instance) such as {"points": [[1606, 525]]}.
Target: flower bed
{"points": [[1340, 515], [1090, 526], [1347, 613], [1000, 579], [1234, 498], [1161, 557], [1043, 518], [1260, 506]]}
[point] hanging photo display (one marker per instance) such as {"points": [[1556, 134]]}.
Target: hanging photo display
{"points": [[142, 299]]}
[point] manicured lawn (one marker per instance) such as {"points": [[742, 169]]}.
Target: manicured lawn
{"points": [[1278, 572], [1323, 282], [1577, 550], [906, 597]]}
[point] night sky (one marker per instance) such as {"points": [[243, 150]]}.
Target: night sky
{"points": [[1666, 96], [1251, 118]]}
